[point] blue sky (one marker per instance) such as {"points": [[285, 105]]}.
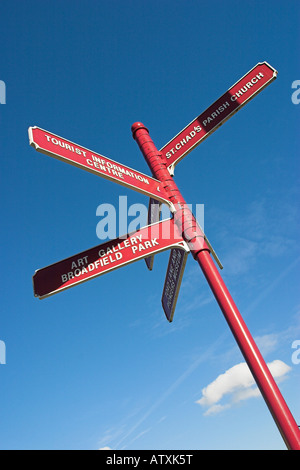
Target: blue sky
{"points": [[98, 365]]}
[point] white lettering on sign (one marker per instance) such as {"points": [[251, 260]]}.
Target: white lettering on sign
{"points": [[98, 162], [233, 98], [144, 246], [216, 113], [113, 169], [247, 87], [63, 144], [108, 256], [184, 141]]}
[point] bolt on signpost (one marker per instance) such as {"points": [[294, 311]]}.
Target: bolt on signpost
{"points": [[181, 233]]}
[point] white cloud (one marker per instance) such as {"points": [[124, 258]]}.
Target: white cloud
{"points": [[105, 448], [237, 384], [214, 409], [266, 343]]}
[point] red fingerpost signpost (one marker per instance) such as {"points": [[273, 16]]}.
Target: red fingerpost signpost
{"points": [[181, 234]]}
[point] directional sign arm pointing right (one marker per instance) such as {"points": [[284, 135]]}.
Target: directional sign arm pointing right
{"points": [[215, 115]]}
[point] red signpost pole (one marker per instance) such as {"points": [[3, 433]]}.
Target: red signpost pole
{"points": [[195, 238]]}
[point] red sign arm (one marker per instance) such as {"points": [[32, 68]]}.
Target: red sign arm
{"points": [[69, 152], [213, 117], [107, 257]]}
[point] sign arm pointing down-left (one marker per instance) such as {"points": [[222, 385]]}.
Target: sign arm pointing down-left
{"points": [[106, 257]]}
